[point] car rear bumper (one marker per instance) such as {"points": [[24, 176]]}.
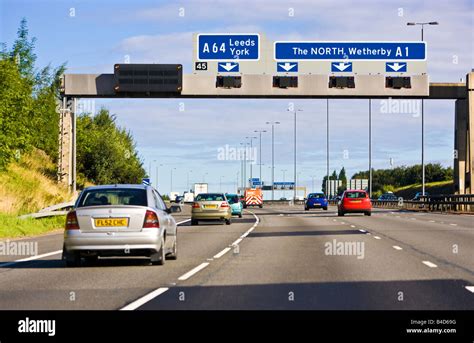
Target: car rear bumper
{"points": [[316, 205], [147, 239], [211, 216], [356, 209]]}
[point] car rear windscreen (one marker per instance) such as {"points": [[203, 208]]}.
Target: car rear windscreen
{"points": [[232, 199], [113, 196], [210, 197], [316, 196], [355, 195]]}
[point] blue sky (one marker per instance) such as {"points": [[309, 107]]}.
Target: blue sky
{"points": [[101, 33]]}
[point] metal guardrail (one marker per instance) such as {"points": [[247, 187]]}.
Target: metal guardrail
{"points": [[51, 211], [441, 203]]}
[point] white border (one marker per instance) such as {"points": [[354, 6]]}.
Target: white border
{"points": [[232, 59], [345, 59]]}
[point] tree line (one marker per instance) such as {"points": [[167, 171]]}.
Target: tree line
{"points": [[29, 98], [384, 180]]}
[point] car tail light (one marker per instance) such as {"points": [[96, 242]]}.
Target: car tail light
{"points": [[224, 204], [71, 221], [195, 205], [151, 220]]}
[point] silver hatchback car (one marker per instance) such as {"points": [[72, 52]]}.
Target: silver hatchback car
{"points": [[120, 220]]}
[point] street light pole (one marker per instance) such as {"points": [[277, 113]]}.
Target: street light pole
{"points": [[294, 171], [187, 180], [327, 147], [423, 113], [284, 191], [260, 152], [370, 148], [251, 152], [273, 123]]}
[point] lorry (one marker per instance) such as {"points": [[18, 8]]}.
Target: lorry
{"points": [[200, 188], [253, 197], [188, 196], [173, 196]]}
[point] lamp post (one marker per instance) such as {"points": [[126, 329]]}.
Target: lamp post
{"points": [[273, 123], [295, 176], [251, 152], [187, 180], [284, 186], [244, 171], [260, 150], [423, 112]]}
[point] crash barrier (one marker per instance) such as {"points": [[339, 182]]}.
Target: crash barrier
{"points": [[440, 203]]}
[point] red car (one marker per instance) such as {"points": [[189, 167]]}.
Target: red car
{"points": [[354, 201]]}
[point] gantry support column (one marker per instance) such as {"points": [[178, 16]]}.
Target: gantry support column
{"points": [[67, 144], [464, 141]]}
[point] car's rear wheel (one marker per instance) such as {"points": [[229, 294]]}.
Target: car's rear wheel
{"points": [[340, 214], [228, 222], [260, 206], [325, 208], [240, 215], [158, 258], [306, 208], [72, 259], [194, 222], [91, 260], [368, 213], [174, 254]]}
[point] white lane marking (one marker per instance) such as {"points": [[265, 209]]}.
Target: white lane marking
{"points": [[342, 223], [470, 288], [398, 216], [396, 247], [184, 221], [139, 302], [193, 271], [430, 264], [377, 237], [222, 253], [362, 230], [36, 257], [353, 226], [236, 242], [432, 221], [334, 220], [453, 224]]}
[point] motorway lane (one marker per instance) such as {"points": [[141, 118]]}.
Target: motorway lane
{"points": [[111, 284], [283, 265]]}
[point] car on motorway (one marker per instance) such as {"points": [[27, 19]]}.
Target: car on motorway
{"points": [[211, 206], [120, 220], [388, 197], [235, 204], [354, 201], [316, 200]]}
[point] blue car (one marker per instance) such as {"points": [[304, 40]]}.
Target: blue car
{"points": [[316, 200], [235, 204]]}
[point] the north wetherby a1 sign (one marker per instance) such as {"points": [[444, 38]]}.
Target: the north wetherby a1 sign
{"points": [[228, 46], [287, 50]]}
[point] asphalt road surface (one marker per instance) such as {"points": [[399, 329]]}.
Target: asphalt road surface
{"points": [[272, 258]]}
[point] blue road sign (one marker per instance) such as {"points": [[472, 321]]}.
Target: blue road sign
{"points": [[338, 67], [227, 67], [228, 46], [146, 181], [287, 67], [254, 179], [396, 67], [390, 51]]}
